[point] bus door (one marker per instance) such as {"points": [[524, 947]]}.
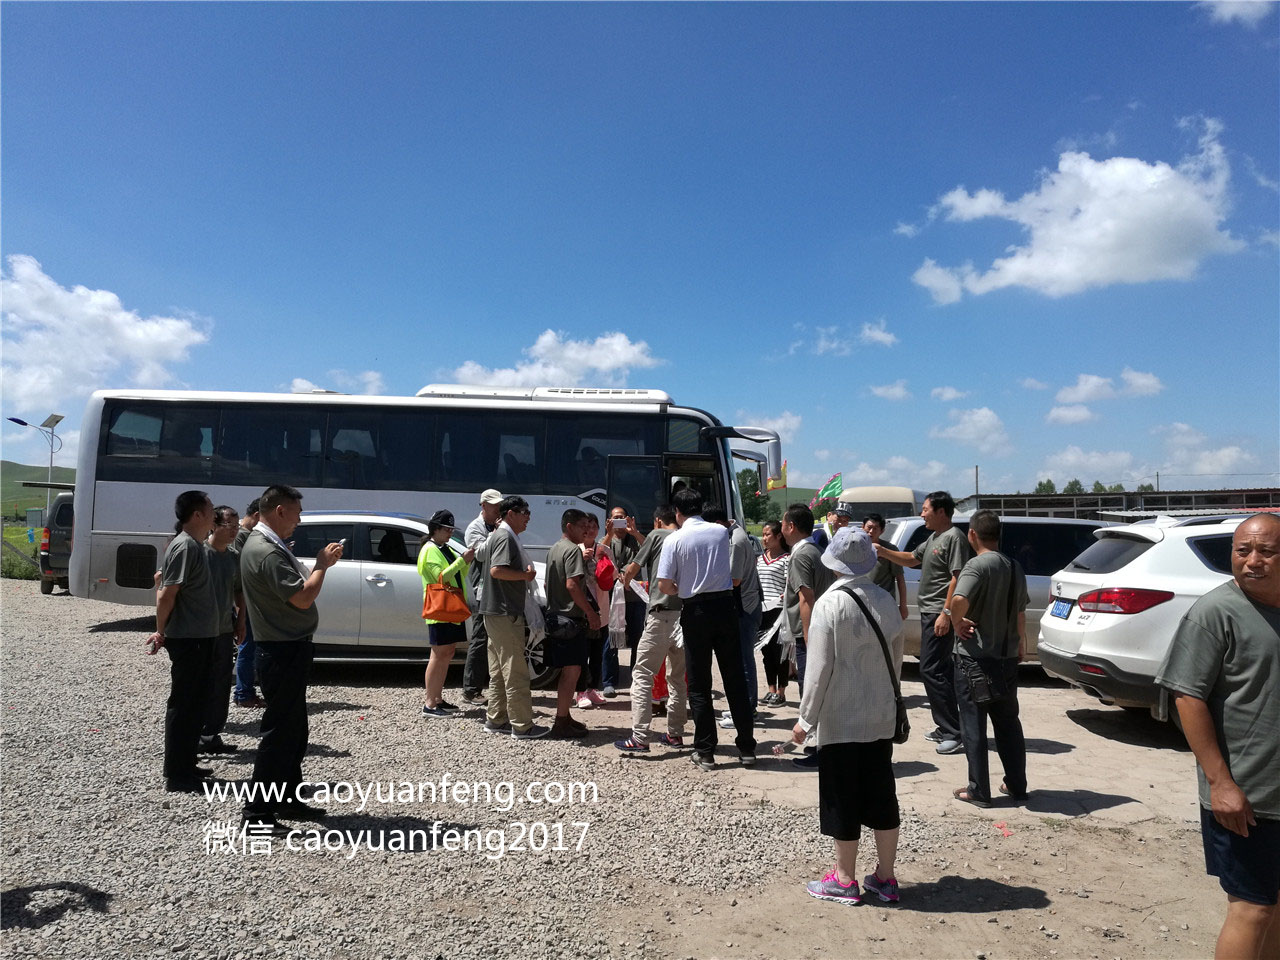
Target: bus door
{"points": [[641, 484]]}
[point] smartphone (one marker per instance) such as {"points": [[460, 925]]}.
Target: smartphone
{"points": [[620, 524], [343, 543]]}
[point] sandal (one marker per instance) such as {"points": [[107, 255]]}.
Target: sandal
{"points": [[962, 794], [1017, 797]]}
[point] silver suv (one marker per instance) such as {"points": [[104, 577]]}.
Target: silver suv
{"points": [[371, 607], [1042, 545]]}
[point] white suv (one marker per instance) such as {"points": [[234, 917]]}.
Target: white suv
{"points": [[371, 605], [1116, 606]]}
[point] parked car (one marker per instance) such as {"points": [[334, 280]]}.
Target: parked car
{"points": [[55, 544], [371, 606], [1116, 606], [1042, 545]]}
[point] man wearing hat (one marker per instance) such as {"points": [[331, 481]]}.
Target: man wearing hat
{"points": [[849, 691], [440, 562], [475, 675]]}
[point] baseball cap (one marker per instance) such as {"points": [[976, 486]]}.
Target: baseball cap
{"points": [[491, 496]]}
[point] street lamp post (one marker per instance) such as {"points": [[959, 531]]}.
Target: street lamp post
{"points": [[47, 428]]}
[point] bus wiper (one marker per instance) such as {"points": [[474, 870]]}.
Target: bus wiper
{"points": [[1080, 566]]}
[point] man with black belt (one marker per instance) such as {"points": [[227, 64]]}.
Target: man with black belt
{"points": [[940, 559], [695, 564], [186, 625], [475, 673], [281, 598], [746, 590], [989, 609]]}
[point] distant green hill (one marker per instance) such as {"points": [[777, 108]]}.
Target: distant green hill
{"points": [[17, 498]]}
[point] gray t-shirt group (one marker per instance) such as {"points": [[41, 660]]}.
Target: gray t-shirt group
{"points": [[564, 560], [941, 556], [502, 598], [986, 581], [806, 569], [269, 577], [647, 558], [195, 612], [1226, 651], [742, 566], [224, 567]]}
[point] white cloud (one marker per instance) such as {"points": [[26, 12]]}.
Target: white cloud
{"points": [[1031, 383], [1248, 13], [906, 229], [302, 385], [786, 423], [877, 334], [1261, 178], [897, 470], [1088, 388], [1095, 223], [368, 382], [948, 394], [1072, 413], [556, 362], [1110, 466], [893, 391], [1189, 452], [980, 428], [822, 456], [830, 341], [62, 343], [1269, 237], [1138, 384]]}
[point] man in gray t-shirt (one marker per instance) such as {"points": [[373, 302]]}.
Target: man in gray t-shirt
{"points": [[1223, 668], [939, 558], [186, 624], [507, 572], [989, 607]]}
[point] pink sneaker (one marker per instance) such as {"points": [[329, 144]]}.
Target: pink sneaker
{"points": [[595, 697], [584, 702]]}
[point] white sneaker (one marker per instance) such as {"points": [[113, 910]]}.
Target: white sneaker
{"points": [[585, 702]]}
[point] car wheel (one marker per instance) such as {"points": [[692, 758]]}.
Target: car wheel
{"points": [[46, 586], [541, 673]]}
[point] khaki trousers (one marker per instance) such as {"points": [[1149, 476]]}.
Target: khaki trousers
{"points": [[508, 673], [658, 643]]}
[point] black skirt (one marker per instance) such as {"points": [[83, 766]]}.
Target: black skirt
{"points": [[856, 788]]}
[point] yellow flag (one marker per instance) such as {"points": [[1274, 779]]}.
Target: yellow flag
{"points": [[779, 484]]}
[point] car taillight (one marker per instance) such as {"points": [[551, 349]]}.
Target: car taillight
{"points": [[1122, 600], [44, 539]]}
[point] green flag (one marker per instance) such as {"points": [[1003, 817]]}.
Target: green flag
{"points": [[831, 488]]}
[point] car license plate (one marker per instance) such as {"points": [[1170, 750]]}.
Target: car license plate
{"points": [[1061, 608]]}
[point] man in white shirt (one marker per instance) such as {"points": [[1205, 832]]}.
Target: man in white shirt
{"points": [[695, 564]]}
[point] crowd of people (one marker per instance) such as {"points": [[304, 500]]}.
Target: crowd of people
{"points": [[693, 591]]}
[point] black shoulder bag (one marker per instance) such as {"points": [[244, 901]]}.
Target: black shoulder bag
{"points": [[902, 726]]}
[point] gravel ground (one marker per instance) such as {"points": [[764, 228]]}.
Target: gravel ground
{"points": [[675, 862]]}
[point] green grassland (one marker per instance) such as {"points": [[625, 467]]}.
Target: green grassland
{"points": [[15, 497]]}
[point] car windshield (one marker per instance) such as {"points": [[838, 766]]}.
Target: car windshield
{"points": [[1110, 554]]}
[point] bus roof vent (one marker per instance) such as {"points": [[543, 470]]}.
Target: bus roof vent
{"points": [[473, 392], [622, 394]]}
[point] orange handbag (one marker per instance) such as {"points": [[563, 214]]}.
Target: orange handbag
{"points": [[444, 603]]}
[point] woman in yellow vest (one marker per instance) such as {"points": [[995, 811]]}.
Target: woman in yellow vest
{"points": [[439, 561]]}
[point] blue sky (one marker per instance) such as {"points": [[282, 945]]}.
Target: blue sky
{"points": [[915, 237]]}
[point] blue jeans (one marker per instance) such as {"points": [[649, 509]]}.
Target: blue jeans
{"points": [[635, 626], [246, 659], [749, 632]]}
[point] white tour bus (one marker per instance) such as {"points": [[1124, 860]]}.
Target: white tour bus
{"points": [[557, 447], [886, 501]]}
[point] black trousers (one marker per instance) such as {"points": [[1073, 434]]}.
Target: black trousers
{"points": [[189, 660], [475, 674], [937, 673], [777, 672], [1011, 745], [222, 675], [283, 670], [710, 626]]}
